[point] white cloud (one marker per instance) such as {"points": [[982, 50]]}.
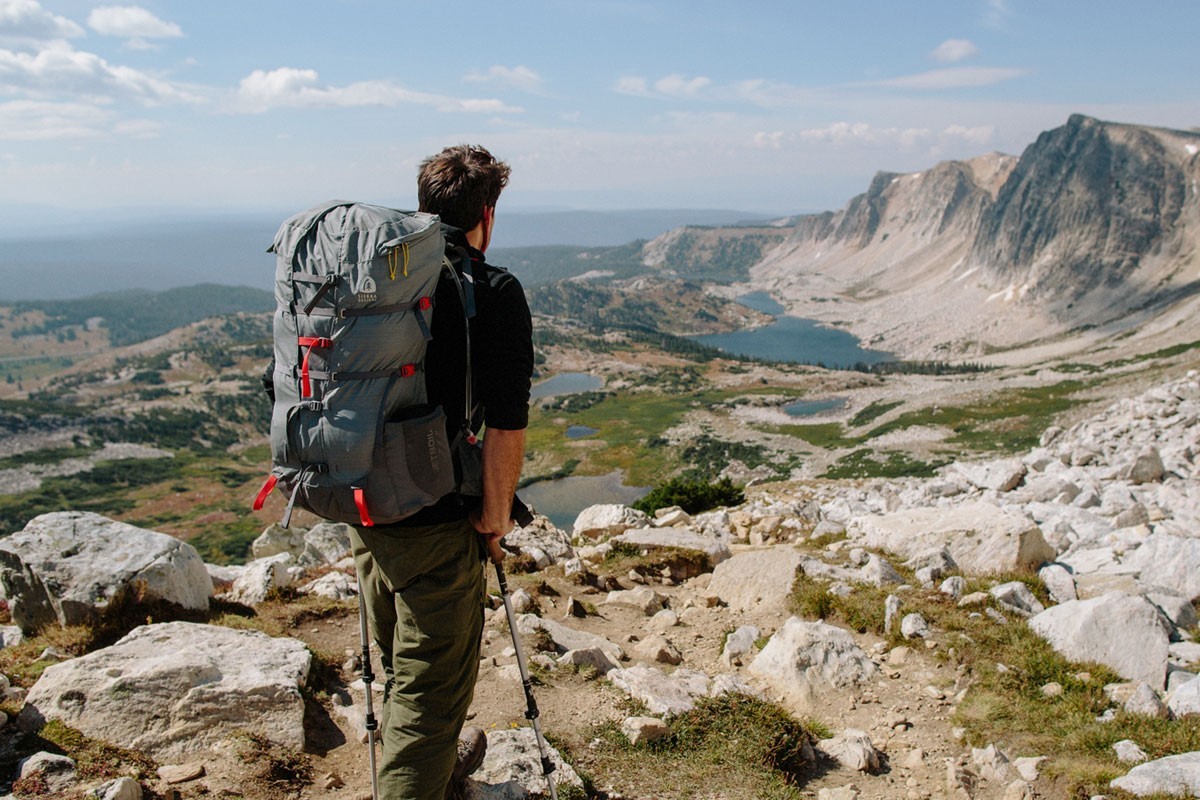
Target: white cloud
{"points": [[24, 21], [518, 77], [768, 141], [288, 87], [632, 84], [953, 50], [952, 78], [673, 86], [30, 120], [58, 68], [997, 13], [131, 22]]}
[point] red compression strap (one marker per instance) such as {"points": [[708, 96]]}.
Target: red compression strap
{"points": [[424, 304], [264, 491], [364, 516], [408, 370], [309, 342]]}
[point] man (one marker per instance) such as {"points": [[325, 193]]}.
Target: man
{"points": [[423, 578]]}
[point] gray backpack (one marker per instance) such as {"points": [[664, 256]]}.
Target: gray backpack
{"points": [[353, 438]]}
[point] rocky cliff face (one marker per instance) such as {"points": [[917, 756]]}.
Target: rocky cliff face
{"points": [[1094, 227]]}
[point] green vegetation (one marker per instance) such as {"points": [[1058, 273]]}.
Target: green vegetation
{"points": [[748, 747], [882, 464], [873, 412], [692, 496]]}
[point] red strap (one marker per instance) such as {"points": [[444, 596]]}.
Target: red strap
{"points": [[424, 304], [309, 342], [408, 370], [364, 516], [264, 491]]}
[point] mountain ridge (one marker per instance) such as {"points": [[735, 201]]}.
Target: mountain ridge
{"points": [[1094, 226]]}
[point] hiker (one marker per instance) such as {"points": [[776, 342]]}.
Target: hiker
{"points": [[423, 579]]}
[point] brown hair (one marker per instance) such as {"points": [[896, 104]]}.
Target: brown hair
{"points": [[459, 182]]}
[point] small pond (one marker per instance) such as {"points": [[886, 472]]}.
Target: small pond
{"points": [[580, 431], [809, 408]]}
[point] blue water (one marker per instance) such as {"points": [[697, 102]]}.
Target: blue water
{"points": [[580, 431], [762, 301], [561, 500], [566, 383], [792, 339], [807, 408]]}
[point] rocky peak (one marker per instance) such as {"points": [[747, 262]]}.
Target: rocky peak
{"points": [[1086, 203]]}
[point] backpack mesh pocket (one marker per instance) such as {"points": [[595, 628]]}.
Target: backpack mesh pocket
{"points": [[413, 468]]}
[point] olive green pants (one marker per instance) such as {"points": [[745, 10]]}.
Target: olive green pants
{"points": [[424, 590]]}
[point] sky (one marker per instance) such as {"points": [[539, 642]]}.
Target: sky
{"points": [[778, 106]]}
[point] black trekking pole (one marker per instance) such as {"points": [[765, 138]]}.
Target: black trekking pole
{"points": [[368, 679], [523, 517]]}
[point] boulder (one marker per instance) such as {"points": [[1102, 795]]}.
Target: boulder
{"points": [[999, 476], [332, 585], [607, 519], [566, 639], [541, 539], [643, 599], [1015, 596], [980, 537], [757, 581], [663, 694], [1185, 701], [738, 644], [715, 550], [803, 658], [1170, 561], [639, 730], [512, 768], [67, 566], [1059, 582], [852, 749], [260, 577], [1174, 776], [178, 688], [1147, 467], [1120, 630], [325, 543]]}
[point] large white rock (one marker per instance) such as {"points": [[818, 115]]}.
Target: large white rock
{"points": [[541, 537], [663, 694], [1120, 630], [260, 577], [324, 543], [512, 768], [716, 550], [803, 658], [757, 581], [608, 519], [1174, 776], [1185, 701], [981, 538], [67, 566], [1000, 476], [178, 688], [1170, 561]]}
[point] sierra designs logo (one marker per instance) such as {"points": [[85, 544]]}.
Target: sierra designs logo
{"points": [[366, 290]]}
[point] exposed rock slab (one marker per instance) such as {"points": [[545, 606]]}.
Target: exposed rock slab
{"points": [[1120, 630], [757, 581], [663, 694], [981, 538], [179, 688], [607, 519], [716, 550], [1175, 776], [512, 768], [67, 566]]}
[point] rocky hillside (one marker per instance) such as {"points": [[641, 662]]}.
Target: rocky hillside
{"points": [[1093, 230], [1021, 628]]}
